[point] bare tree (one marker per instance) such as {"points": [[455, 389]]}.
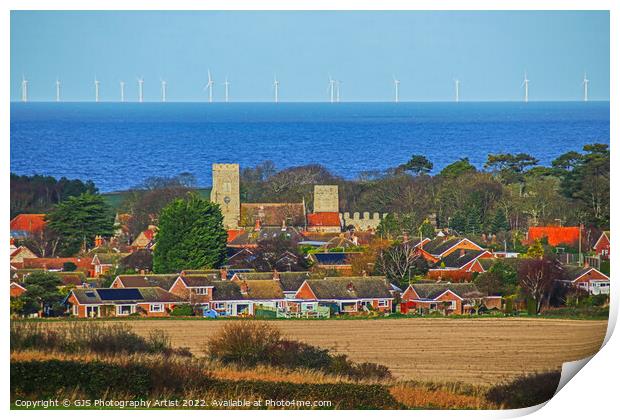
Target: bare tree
{"points": [[398, 261], [536, 277]]}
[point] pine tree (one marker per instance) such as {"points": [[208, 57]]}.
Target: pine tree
{"points": [[499, 222], [191, 235]]}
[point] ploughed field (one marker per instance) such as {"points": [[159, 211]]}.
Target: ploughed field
{"points": [[477, 351]]}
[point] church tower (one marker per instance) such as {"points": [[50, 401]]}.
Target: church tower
{"points": [[326, 198], [225, 192]]}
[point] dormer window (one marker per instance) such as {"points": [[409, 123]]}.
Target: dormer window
{"points": [[201, 290]]}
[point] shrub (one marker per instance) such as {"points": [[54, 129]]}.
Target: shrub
{"points": [[249, 343], [182, 310], [525, 391], [79, 337]]}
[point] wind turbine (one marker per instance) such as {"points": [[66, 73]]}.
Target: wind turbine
{"points": [[122, 91], [24, 89], [332, 85], [338, 90], [57, 90], [396, 89], [140, 87], [226, 85], [164, 86], [526, 84], [276, 89], [96, 89], [457, 85], [209, 86], [585, 83]]}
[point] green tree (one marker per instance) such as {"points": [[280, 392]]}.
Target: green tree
{"points": [[418, 164], [191, 236], [459, 168], [536, 250], [389, 227], [77, 221], [499, 222], [500, 279], [42, 293], [510, 167], [427, 230]]}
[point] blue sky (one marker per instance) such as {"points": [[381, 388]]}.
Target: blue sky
{"points": [[487, 51]]}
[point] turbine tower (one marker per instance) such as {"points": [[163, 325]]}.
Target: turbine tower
{"points": [[276, 89], [396, 89], [122, 91], [164, 86], [24, 89], [140, 89], [57, 90], [585, 83], [338, 90], [226, 85], [96, 89], [209, 86], [526, 85], [457, 85], [332, 85]]}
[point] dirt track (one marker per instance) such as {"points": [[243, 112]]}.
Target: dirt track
{"points": [[477, 351]]}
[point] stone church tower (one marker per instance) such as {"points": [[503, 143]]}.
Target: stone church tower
{"points": [[225, 192], [326, 198]]}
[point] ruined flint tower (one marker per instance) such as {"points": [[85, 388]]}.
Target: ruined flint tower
{"points": [[225, 192], [326, 198]]}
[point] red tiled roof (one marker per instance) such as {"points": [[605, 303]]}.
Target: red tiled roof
{"points": [[324, 219], [57, 263], [28, 222], [556, 235], [150, 234]]}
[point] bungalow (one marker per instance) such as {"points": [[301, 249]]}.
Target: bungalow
{"points": [[24, 225], [348, 294], [442, 246], [586, 278], [124, 281], [460, 266], [96, 303], [450, 298], [601, 247], [338, 261], [67, 278]]}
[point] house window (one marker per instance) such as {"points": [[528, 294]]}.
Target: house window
{"points": [[452, 305], [157, 307], [201, 290], [383, 303], [219, 305], [307, 306], [124, 309]]}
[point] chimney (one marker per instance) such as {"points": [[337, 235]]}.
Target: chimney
{"points": [[12, 241], [462, 252], [276, 275], [586, 264], [350, 287], [223, 274], [283, 225], [363, 273], [98, 241], [257, 225], [244, 287]]}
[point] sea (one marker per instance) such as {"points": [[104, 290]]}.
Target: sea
{"points": [[118, 145]]}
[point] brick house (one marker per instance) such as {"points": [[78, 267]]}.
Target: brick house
{"points": [[17, 289], [24, 225], [459, 266], [290, 281], [104, 263], [145, 239], [442, 246], [19, 253], [601, 247], [449, 298], [97, 303], [195, 289], [164, 281], [83, 264], [586, 278], [348, 294]]}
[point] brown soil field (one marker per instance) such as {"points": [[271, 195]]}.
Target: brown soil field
{"points": [[476, 351]]}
